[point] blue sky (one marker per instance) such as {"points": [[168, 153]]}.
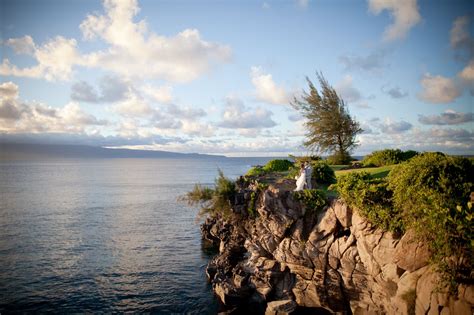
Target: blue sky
{"points": [[217, 76]]}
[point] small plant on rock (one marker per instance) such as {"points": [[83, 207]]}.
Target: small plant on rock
{"points": [[313, 199], [217, 201]]}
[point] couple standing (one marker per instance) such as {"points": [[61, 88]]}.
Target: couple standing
{"points": [[304, 180]]}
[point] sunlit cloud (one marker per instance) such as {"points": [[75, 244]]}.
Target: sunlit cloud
{"points": [[404, 14], [266, 89]]}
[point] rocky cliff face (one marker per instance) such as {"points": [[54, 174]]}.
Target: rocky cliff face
{"points": [[292, 259]]}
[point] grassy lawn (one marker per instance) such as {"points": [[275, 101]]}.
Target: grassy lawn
{"points": [[376, 172]]}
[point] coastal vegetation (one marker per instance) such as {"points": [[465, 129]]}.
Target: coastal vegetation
{"points": [[387, 157], [212, 201], [330, 128], [430, 193]]}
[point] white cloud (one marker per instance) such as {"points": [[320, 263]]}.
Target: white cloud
{"points": [[23, 45], [161, 94], [8, 90], [265, 88], [372, 63], [20, 117], [404, 13], [467, 77], [194, 128], [84, 92], [449, 117], [134, 106], [394, 127], [55, 59], [237, 116], [467, 74], [185, 112], [132, 50], [395, 92], [346, 90], [72, 114], [454, 141], [438, 89], [460, 37]]}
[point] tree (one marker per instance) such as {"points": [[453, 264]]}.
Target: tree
{"points": [[330, 127]]}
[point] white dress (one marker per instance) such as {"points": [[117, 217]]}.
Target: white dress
{"points": [[301, 181]]}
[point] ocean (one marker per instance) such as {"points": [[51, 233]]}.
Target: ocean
{"points": [[105, 235]]}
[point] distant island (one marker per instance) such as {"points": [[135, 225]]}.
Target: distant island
{"points": [[28, 151]]}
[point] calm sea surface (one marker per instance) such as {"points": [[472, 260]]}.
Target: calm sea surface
{"points": [[105, 235]]}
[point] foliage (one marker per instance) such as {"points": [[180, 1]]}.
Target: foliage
{"points": [[323, 173], [215, 201], [387, 157], [372, 197], [313, 199], [271, 166], [251, 210], [278, 166], [255, 171], [433, 193], [329, 125]]}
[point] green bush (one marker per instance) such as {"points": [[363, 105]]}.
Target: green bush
{"points": [[313, 199], [432, 191], [372, 197], [323, 173], [255, 171], [278, 166], [387, 157], [217, 201], [271, 166]]}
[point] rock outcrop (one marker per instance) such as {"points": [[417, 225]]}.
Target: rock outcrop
{"points": [[290, 258]]}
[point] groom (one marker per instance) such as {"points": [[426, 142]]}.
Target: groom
{"points": [[308, 169]]}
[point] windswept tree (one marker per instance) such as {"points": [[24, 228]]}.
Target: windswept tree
{"points": [[330, 127]]}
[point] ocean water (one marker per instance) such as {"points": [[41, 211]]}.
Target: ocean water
{"points": [[105, 235]]}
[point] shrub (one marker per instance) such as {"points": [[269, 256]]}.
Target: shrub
{"points": [[387, 157], [215, 201], [255, 171], [278, 166], [433, 191], [372, 197], [313, 199], [323, 173], [271, 166]]}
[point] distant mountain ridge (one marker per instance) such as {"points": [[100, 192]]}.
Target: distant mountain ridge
{"points": [[24, 151]]}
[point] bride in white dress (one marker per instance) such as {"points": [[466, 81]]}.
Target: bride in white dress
{"points": [[301, 180]]}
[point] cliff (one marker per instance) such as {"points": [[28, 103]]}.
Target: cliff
{"points": [[292, 259]]}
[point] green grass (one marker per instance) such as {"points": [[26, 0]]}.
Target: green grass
{"points": [[337, 167], [376, 172]]}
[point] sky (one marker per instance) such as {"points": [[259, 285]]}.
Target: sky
{"points": [[219, 76]]}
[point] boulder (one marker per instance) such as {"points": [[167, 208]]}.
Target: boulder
{"points": [[410, 254], [343, 213], [283, 307]]}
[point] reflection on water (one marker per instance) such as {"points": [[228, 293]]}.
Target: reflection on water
{"points": [[105, 234]]}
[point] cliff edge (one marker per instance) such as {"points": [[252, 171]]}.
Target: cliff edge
{"points": [[288, 258]]}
